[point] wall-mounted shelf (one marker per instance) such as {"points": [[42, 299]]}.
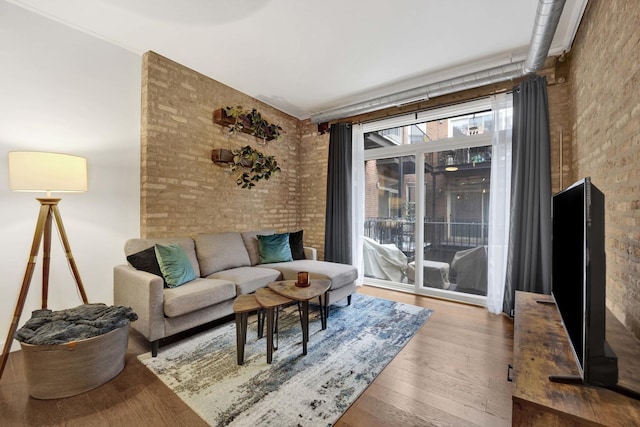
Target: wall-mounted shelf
{"points": [[220, 117], [224, 156], [259, 128], [221, 155], [251, 164]]}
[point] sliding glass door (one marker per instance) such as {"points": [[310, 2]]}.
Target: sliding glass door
{"points": [[389, 223], [426, 203]]}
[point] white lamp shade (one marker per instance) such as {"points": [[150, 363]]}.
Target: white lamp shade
{"points": [[38, 171]]}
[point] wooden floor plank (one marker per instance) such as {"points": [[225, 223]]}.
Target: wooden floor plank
{"points": [[384, 406], [453, 372], [439, 362]]}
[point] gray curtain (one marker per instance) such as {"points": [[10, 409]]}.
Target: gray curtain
{"points": [[337, 238], [529, 251]]}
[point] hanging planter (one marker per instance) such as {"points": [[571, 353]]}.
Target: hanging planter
{"points": [[250, 164], [251, 122]]}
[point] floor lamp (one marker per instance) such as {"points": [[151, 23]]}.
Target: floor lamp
{"points": [[44, 172]]}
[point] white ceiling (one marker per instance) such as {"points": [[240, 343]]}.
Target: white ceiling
{"points": [[304, 57]]}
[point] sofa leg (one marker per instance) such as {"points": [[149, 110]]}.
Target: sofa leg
{"points": [[349, 300], [154, 348]]}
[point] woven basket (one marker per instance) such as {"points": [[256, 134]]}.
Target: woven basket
{"points": [[62, 370]]}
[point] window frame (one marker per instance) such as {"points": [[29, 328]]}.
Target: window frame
{"points": [[419, 150]]}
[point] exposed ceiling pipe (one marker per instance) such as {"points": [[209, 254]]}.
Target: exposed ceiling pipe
{"points": [[477, 79], [546, 22], [544, 27]]}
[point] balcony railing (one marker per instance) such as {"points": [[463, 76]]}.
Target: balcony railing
{"points": [[439, 236]]}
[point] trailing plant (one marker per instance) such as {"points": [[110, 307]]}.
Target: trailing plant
{"points": [[253, 166], [237, 114], [253, 123], [258, 124]]}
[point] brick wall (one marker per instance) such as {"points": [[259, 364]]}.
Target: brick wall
{"points": [[182, 191], [605, 80], [560, 125], [314, 153]]}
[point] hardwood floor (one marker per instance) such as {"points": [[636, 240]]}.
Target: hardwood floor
{"points": [[453, 372]]}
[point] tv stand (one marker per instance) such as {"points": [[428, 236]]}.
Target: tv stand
{"points": [[625, 391], [546, 301], [576, 380], [566, 379], [541, 349]]}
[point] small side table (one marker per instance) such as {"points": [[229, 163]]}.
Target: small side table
{"points": [[242, 306], [316, 289], [270, 300]]}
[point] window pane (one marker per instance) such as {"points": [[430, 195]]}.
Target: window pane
{"points": [[456, 208], [447, 214], [470, 124], [455, 221], [389, 217]]}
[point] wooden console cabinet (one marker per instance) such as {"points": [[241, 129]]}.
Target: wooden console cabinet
{"points": [[541, 348]]}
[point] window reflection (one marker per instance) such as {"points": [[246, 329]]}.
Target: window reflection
{"points": [[456, 208]]}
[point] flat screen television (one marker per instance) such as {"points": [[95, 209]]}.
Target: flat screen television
{"points": [[579, 281]]}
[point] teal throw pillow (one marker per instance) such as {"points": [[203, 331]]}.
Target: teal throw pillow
{"points": [[274, 248], [174, 264]]}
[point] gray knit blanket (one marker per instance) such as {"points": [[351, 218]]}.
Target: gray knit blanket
{"points": [[73, 324]]}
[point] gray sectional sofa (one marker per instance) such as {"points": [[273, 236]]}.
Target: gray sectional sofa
{"points": [[226, 264]]}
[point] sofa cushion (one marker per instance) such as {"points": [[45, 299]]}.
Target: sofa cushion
{"points": [[296, 244], [174, 264], [250, 239], [339, 274], [248, 279], [196, 294], [220, 251], [132, 246], [274, 248]]}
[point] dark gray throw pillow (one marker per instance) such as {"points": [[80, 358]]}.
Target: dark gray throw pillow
{"points": [[296, 244], [146, 260]]}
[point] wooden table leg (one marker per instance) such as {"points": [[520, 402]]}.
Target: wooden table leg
{"points": [[323, 315], [326, 305], [276, 332], [305, 326], [270, 334], [260, 323], [241, 335]]}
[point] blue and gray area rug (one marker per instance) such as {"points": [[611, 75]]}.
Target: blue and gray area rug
{"points": [[295, 390]]}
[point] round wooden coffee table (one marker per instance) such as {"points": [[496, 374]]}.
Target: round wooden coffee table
{"points": [[316, 289]]}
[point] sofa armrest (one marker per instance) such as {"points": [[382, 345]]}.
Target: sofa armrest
{"points": [[310, 253], [143, 292]]}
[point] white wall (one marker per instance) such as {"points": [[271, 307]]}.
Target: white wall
{"points": [[65, 91]]}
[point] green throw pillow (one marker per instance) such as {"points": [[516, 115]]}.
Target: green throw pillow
{"points": [[274, 248], [174, 264]]}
